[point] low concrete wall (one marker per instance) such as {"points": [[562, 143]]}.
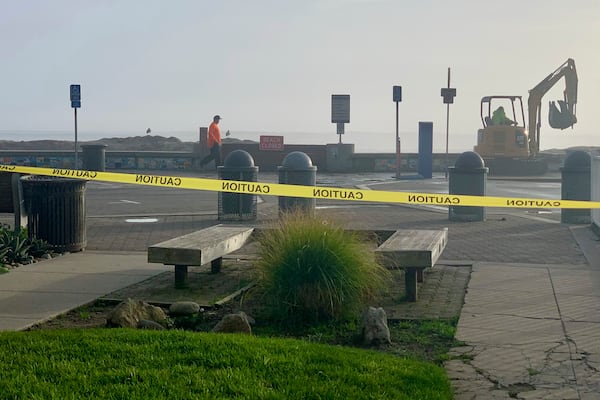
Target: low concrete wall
{"points": [[321, 156]]}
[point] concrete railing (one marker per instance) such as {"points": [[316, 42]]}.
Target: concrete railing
{"points": [[321, 156]]}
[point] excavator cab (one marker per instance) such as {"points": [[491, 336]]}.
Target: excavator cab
{"points": [[503, 133], [502, 110]]}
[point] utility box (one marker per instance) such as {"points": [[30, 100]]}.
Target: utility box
{"points": [[94, 157]]}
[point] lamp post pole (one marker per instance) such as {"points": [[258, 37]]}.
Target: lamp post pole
{"points": [[448, 94]]}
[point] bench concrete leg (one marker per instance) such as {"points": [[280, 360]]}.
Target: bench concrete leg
{"points": [[420, 276], [215, 265], [181, 276], [410, 281]]}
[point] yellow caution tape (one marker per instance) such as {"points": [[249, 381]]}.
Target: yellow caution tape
{"points": [[318, 192]]}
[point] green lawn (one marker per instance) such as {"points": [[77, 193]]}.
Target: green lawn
{"points": [[132, 364]]}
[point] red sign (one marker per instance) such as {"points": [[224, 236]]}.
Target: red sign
{"points": [[271, 143]]}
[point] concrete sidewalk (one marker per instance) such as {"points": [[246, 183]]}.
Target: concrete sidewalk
{"points": [[40, 291], [529, 332]]}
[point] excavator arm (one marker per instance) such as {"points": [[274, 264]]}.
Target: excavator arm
{"points": [[558, 119]]}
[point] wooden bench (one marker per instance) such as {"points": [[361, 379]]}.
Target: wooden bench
{"points": [[199, 248], [413, 251]]}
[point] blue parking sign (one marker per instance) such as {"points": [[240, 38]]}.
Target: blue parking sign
{"points": [[75, 96]]}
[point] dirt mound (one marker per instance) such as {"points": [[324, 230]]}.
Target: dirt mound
{"points": [[144, 143], [133, 143]]}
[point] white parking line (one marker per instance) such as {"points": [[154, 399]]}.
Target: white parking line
{"points": [[124, 202]]}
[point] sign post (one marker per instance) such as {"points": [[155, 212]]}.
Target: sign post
{"points": [[75, 104], [397, 97], [448, 94], [340, 112]]}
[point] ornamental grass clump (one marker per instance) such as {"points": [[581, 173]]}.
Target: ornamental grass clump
{"points": [[313, 271]]}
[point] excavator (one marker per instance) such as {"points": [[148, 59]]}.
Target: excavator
{"points": [[506, 145]]}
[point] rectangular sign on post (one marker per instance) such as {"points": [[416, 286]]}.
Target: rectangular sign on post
{"points": [[397, 95], [340, 108], [75, 96], [270, 143]]}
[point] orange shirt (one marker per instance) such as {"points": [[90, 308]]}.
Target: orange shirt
{"points": [[214, 135]]}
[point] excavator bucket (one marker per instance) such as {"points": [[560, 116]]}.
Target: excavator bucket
{"points": [[560, 119]]}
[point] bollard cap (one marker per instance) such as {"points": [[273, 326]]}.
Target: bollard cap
{"points": [[578, 159], [238, 159], [297, 160], [469, 160]]}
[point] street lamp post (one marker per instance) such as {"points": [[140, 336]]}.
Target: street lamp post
{"points": [[448, 95]]}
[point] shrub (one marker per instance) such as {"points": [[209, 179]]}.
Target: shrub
{"points": [[313, 270], [16, 247]]}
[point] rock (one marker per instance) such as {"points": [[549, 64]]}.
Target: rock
{"points": [[375, 329], [182, 308], [129, 313], [150, 325], [234, 323], [250, 320]]}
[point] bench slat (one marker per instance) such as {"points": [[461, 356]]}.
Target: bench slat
{"points": [[200, 247], [414, 248]]}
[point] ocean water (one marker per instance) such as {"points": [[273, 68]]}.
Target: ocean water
{"points": [[373, 142]]}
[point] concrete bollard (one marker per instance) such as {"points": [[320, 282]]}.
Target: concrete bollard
{"points": [[297, 169], [576, 184], [467, 177], [237, 166]]}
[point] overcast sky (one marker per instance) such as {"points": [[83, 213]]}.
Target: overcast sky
{"points": [[271, 66]]}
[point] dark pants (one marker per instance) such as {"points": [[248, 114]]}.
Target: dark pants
{"points": [[215, 154]]}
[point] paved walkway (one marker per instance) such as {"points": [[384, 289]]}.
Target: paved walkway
{"points": [[40, 291], [530, 323]]}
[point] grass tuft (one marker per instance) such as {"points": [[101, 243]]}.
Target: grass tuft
{"points": [[314, 270]]}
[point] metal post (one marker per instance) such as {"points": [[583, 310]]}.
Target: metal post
{"points": [[397, 145], [447, 127], [76, 161]]}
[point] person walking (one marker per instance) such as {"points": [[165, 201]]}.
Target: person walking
{"points": [[214, 143]]}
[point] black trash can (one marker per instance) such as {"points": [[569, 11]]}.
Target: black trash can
{"points": [[238, 166], [94, 157], [576, 184], [297, 169], [467, 177], [56, 211]]}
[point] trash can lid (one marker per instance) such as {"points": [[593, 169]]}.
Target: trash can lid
{"points": [[469, 160], [297, 160], [578, 159], [238, 158]]}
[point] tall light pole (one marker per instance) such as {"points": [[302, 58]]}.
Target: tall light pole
{"points": [[397, 97], [448, 94]]}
